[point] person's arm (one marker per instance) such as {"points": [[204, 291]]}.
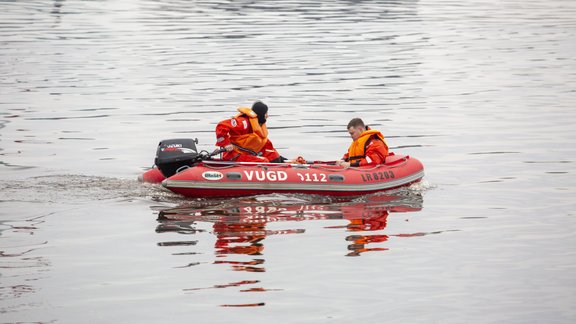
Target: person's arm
{"points": [[269, 152], [223, 130], [376, 152]]}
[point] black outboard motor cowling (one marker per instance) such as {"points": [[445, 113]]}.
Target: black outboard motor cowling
{"points": [[173, 154]]}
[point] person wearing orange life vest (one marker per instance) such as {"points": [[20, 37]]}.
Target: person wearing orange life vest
{"points": [[368, 146], [245, 136]]}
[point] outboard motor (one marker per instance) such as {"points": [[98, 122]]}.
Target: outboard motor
{"points": [[174, 154]]}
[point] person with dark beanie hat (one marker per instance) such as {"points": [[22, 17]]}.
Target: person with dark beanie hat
{"points": [[245, 136], [261, 110]]}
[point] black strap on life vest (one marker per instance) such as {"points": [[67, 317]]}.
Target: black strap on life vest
{"points": [[365, 145], [245, 150]]}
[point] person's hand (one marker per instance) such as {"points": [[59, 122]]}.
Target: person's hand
{"points": [[297, 160], [229, 147], [300, 160], [343, 164]]}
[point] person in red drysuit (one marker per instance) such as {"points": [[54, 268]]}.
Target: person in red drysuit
{"points": [[368, 146], [245, 136]]}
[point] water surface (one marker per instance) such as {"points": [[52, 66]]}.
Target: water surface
{"points": [[482, 92]]}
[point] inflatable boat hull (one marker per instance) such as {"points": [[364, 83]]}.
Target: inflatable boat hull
{"points": [[229, 179]]}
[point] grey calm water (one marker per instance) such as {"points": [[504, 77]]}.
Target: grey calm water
{"points": [[482, 92]]}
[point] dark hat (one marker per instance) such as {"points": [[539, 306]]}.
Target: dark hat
{"points": [[260, 109]]}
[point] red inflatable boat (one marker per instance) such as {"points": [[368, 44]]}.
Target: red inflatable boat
{"points": [[200, 176]]}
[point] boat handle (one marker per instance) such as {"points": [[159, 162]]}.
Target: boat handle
{"points": [[182, 168], [400, 163]]}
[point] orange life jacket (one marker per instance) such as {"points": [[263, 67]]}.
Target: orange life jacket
{"points": [[254, 141], [357, 149]]}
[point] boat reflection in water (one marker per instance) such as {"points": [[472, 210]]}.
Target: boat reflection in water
{"points": [[240, 226]]}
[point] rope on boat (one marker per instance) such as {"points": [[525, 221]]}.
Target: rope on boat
{"points": [[219, 168], [324, 167]]}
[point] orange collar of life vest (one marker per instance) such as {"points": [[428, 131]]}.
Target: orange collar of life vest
{"points": [[258, 129], [358, 147]]}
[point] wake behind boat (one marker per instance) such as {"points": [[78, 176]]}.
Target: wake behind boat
{"points": [[183, 170]]}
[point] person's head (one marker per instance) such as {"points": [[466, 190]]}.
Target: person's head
{"points": [[355, 128], [261, 110]]}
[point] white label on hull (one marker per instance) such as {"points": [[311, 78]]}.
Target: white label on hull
{"points": [[212, 175], [266, 175]]}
